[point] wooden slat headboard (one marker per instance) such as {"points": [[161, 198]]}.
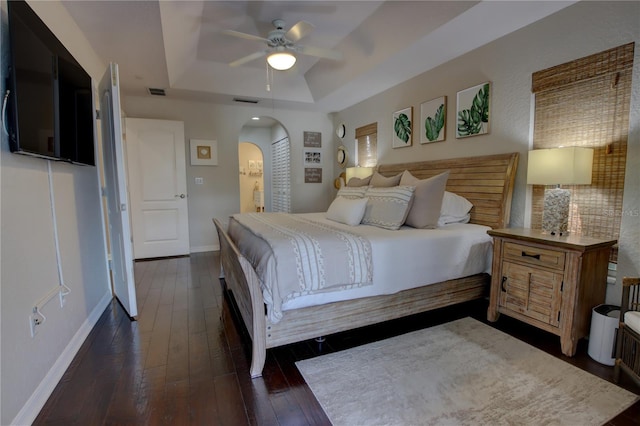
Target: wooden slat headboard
{"points": [[486, 181]]}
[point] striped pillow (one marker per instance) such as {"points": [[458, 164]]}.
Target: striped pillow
{"points": [[388, 207], [352, 192]]}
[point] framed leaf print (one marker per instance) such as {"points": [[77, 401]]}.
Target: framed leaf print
{"points": [[402, 121], [472, 111], [433, 120]]}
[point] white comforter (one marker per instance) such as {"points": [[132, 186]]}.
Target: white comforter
{"points": [[306, 257], [402, 259]]}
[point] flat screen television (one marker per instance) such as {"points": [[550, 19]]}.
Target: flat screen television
{"points": [[50, 113]]}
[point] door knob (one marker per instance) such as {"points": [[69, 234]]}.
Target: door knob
{"points": [[180, 196]]}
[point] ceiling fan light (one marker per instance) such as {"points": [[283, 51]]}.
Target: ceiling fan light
{"points": [[281, 61]]}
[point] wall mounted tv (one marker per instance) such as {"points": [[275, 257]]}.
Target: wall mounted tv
{"points": [[51, 108]]}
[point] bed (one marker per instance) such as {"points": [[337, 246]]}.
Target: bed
{"points": [[486, 181]]}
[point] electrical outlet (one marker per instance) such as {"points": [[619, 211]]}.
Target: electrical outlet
{"points": [[33, 323], [35, 319]]}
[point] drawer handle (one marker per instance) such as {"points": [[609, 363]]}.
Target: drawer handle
{"points": [[535, 256], [504, 280]]}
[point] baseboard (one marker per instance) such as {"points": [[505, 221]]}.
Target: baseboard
{"points": [[34, 404], [204, 248]]}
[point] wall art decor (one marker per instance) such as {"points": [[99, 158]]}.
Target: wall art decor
{"points": [[312, 139], [203, 152], [312, 158], [402, 121], [472, 111], [433, 120], [313, 175]]}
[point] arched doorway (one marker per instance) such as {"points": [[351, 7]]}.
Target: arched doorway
{"points": [[251, 164], [271, 138]]}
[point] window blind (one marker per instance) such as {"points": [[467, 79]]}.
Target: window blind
{"points": [[586, 103], [281, 176]]}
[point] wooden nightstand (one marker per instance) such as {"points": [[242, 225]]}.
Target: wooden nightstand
{"points": [[551, 282]]}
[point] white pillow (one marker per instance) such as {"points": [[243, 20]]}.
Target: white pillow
{"points": [[388, 207], [347, 210], [454, 205], [445, 220]]}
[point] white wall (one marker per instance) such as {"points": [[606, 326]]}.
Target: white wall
{"points": [[219, 196], [31, 367], [580, 30]]}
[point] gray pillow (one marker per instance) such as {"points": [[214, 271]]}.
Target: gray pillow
{"points": [[388, 207], [357, 182], [379, 181], [427, 199]]}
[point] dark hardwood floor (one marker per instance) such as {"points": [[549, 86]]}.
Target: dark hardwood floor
{"points": [[184, 361]]}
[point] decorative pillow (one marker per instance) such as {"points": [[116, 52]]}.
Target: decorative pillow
{"points": [[445, 220], [379, 181], [347, 210], [454, 205], [356, 182], [388, 207], [348, 192], [427, 199]]}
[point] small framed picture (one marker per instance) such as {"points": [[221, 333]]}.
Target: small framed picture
{"points": [[312, 158], [433, 120], [204, 152], [402, 122], [472, 111]]}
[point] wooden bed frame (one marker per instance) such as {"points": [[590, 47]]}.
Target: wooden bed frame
{"points": [[486, 181]]}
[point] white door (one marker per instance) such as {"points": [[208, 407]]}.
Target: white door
{"points": [[116, 192], [158, 187]]}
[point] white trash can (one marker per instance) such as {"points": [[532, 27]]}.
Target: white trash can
{"points": [[604, 322]]}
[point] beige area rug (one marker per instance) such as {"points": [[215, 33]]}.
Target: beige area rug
{"points": [[459, 373]]}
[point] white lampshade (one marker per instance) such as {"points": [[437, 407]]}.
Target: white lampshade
{"points": [[560, 166], [358, 172], [281, 61]]}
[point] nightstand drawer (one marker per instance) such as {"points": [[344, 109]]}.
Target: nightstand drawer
{"points": [[534, 255]]}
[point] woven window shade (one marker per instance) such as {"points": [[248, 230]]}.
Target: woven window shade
{"points": [[586, 103], [367, 145]]}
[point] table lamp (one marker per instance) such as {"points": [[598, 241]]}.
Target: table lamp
{"points": [[558, 166]]}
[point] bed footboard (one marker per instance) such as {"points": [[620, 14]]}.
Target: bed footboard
{"points": [[243, 282]]}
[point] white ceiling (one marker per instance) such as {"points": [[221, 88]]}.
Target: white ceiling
{"points": [[179, 46]]}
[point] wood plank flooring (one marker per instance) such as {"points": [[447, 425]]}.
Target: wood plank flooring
{"points": [[184, 362]]}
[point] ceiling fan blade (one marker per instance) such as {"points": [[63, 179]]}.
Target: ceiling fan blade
{"points": [[244, 35], [299, 30], [320, 52], [248, 58]]}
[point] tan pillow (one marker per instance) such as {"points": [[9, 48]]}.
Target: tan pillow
{"points": [[379, 181], [427, 199], [355, 182]]}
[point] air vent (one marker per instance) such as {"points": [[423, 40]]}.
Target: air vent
{"points": [[246, 101], [156, 92]]}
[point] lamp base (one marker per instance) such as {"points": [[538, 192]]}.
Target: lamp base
{"points": [[555, 216]]}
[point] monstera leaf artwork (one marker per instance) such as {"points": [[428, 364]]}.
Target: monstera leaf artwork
{"points": [[473, 111], [402, 128], [433, 118]]}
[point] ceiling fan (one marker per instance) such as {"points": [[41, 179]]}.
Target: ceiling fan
{"points": [[281, 45]]}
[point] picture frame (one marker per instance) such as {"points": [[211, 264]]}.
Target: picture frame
{"points": [[402, 126], [433, 120], [312, 158], [203, 152], [473, 108]]}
